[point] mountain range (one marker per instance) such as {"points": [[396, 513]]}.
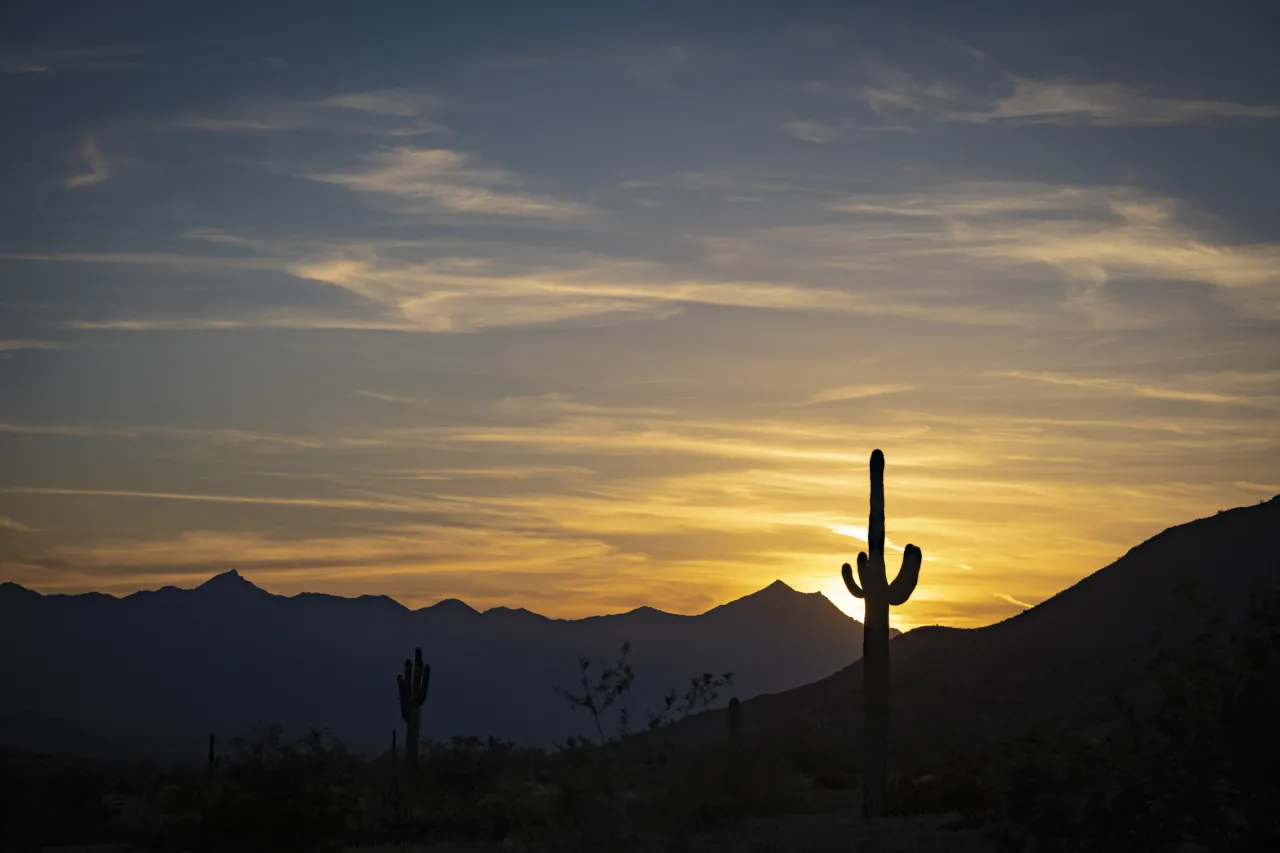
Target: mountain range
{"points": [[160, 669], [1058, 666], [170, 665]]}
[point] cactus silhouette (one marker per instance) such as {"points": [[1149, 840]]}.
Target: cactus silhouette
{"points": [[733, 763], [212, 762], [879, 594], [413, 693]]}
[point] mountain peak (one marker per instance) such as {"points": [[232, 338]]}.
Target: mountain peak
{"points": [[776, 596], [229, 580], [450, 606], [16, 589]]}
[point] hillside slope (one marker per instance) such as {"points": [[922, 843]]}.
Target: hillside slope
{"points": [[1058, 664]]}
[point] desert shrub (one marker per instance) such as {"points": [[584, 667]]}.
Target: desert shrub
{"points": [[49, 800], [277, 794], [1191, 768]]}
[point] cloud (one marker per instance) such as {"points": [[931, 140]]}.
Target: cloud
{"points": [[210, 435], [1059, 101], [819, 132], [417, 564], [459, 294], [856, 392], [254, 500], [17, 526], [987, 253], [405, 103], [446, 180], [16, 344], [396, 112], [100, 169], [51, 59], [1157, 392], [164, 259], [284, 319], [1090, 233], [862, 534], [1113, 105], [1012, 600]]}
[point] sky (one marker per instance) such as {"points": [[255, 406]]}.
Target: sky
{"points": [[581, 307]]}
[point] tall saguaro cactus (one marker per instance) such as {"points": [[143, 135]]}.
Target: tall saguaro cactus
{"points": [[879, 594], [413, 693]]}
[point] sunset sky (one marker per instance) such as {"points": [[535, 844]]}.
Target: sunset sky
{"points": [[585, 306]]}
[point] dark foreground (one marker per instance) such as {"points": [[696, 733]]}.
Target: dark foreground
{"points": [[1190, 768]]}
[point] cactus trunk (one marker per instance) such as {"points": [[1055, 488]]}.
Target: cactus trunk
{"points": [[733, 762], [875, 699], [412, 735], [878, 595], [413, 693]]}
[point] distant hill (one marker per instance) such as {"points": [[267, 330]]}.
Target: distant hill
{"points": [[172, 665], [1053, 666], [36, 733]]}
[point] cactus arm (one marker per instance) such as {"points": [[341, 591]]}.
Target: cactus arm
{"points": [[426, 684], [905, 583], [867, 576], [852, 585]]}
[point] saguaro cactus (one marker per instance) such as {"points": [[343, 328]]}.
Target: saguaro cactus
{"points": [[211, 763], [413, 693], [733, 762], [879, 594]]}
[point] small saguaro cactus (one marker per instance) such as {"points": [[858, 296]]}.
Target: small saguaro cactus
{"points": [[211, 763], [413, 693], [879, 594], [733, 764]]}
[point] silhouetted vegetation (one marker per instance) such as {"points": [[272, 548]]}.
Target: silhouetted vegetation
{"points": [[1190, 766], [1187, 765], [413, 685], [879, 594]]}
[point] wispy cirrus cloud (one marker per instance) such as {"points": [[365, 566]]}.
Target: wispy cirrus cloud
{"points": [[1112, 105], [1091, 233], [1022, 100], [17, 344], [927, 253], [449, 181], [1212, 391], [394, 112], [404, 102], [856, 392], [52, 58], [1009, 598], [823, 132], [98, 167]]}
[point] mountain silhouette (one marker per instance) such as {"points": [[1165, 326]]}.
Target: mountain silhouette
{"points": [[175, 664], [1056, 666]]}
